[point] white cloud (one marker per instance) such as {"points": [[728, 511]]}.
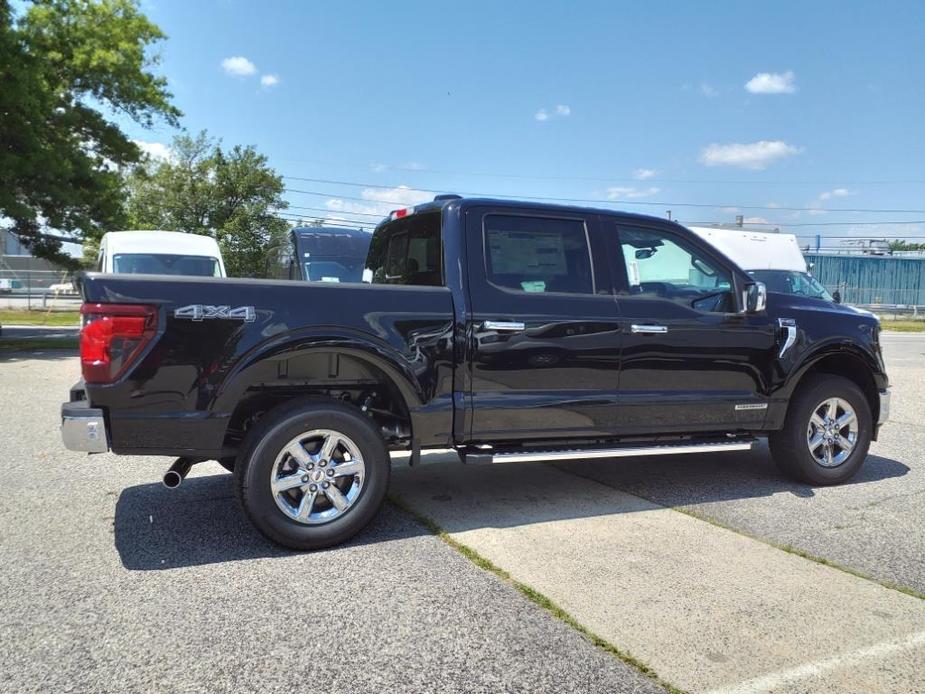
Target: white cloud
{"points": [[708, 89], [729, 210], [379, 202], [630, 192], [752, 155], [269, 80], [156, 150], [644, 174], [239, 66], [559, 111], [773, 205], [772, 83], [837, 193]]}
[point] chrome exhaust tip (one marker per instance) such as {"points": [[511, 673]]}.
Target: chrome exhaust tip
{"points": [[177, 472]]}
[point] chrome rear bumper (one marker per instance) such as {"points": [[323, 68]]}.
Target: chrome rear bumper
{"points": [[83, 428]]}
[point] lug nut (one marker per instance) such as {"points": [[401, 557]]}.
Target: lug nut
{"points": [[325, 485], [313, 488], [330, 472], [323, 463], [305, 478], [310, 466]]}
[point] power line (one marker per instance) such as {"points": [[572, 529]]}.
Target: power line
{"points": [[817, 224], [329, 181], [338, 220], [604, 179], [330, 211]]}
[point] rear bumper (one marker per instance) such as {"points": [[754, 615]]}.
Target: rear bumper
{"points": [[884, 406], [83, 428]]}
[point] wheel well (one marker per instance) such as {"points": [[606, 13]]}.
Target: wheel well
{"points": [[370, 390], [854, 369]]}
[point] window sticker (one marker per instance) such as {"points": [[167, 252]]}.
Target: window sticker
{"points": [[633, 273], [534, 286]]}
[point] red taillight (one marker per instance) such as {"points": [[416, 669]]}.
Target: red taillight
{"points": [[112, 336]]}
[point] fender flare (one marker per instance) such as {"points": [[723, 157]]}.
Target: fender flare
{"points": [[364, 347], [834, 347]]}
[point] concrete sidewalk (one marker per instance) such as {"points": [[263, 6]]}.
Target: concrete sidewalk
{"points": [[706, 608]]}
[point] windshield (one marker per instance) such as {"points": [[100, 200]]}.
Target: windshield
{"points": [[165, 264], [791, 282], [335, 269]]}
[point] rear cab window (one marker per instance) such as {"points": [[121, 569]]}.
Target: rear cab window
{"points": [[407, 251]]}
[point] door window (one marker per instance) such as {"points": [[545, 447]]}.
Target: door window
{"points": [[538, 254], [662, 265]]}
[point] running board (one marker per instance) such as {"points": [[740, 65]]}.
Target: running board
{"points": [[621, 452]]}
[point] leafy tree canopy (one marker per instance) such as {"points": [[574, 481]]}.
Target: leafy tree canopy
{"points": [[899, 245], [68, 68], [230, 195]]}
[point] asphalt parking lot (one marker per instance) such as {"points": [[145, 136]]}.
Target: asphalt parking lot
{"points": [[710, 570]]}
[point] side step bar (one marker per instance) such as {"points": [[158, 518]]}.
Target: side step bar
{"points": [[621, 452]]}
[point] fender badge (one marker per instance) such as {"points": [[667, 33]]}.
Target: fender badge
{"points": [[200, 312]]}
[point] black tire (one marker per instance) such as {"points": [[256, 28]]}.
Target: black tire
{"points": [[265, 442], [789, 447]]}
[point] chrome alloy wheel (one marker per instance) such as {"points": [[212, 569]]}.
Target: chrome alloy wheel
{"points": [[317, 476], [832, 432]]}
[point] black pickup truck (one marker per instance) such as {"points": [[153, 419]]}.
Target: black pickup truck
{"points": [[509, 331]]}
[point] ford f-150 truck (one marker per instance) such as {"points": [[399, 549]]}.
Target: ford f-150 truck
{"points": [[509, 331]]}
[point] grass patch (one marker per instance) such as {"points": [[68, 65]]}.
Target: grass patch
{"points": [[904, 326], [53, 318], [531, 594], [39, 344]]}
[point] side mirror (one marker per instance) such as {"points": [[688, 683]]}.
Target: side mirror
{"points": [[756, 297]]}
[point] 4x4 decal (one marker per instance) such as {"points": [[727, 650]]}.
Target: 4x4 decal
{"points": [[199, 312]]}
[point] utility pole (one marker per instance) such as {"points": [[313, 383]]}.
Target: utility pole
{"points": [[668, 212]]}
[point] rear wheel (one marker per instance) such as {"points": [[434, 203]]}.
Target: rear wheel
{"points": [[312, 475], [827, 431]]}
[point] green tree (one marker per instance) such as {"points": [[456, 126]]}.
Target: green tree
{"points": [[68, 69], [230, 195], [899, 245]]}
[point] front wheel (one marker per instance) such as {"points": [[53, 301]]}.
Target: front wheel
{"points": [[312, 475], [826, 433]]}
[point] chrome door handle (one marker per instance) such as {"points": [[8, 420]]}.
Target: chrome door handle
{"points": [[504, 325], [649, 329]]}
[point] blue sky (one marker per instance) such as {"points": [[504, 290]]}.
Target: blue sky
{"points": [[816, 105]]}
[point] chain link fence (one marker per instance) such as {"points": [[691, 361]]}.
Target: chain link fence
{"points": [[37, 289]]}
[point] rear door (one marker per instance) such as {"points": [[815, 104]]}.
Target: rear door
{"points": [[692, 361], [542, 332]]}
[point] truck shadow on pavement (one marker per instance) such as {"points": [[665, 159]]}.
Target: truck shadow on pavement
{"points": [[10, 355], [201, 522]]}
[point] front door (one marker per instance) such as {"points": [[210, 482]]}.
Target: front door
{"points": [[543, 333], [692, 361]]}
